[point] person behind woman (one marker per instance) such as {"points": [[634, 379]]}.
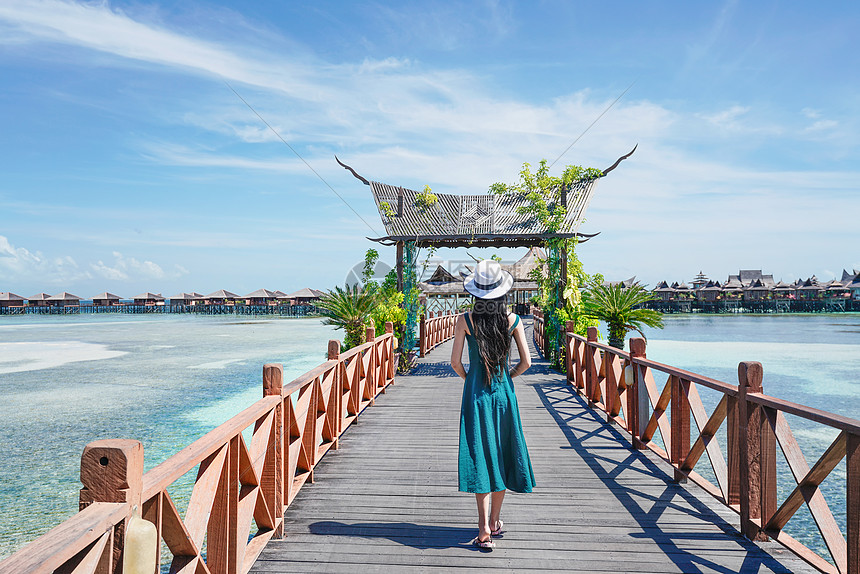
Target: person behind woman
{"points": [[493, 457]]}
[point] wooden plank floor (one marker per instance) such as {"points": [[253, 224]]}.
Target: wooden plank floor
{"points": [[387, 501]]}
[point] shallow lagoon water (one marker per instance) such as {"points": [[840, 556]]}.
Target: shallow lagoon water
{"points": [[168, 379], [164, 380]]}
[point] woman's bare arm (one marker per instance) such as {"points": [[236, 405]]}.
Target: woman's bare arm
{"points": [[523, 349], [457, 351]]}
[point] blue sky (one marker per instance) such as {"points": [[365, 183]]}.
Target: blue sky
{"points": [[129, 165]]}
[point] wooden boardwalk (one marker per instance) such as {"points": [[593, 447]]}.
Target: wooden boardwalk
{"points": [[387, 500]]}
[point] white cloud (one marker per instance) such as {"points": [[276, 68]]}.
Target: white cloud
{"points": [[19, 263], [125, 268]]}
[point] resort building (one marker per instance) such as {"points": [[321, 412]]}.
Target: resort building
{"points": [[9, 299], [261, 297], [443, 291], [753, 291], [148, 299], [221, 297], [63, 299], [106, 300], [306, 296], [39, 300], [186, 299]]}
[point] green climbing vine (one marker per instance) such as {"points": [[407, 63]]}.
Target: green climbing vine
{"points": [[559, 297]]}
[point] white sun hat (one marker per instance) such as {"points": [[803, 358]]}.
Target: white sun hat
{"points": [[489, 280]]}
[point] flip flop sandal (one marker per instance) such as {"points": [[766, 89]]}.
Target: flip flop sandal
{"points": [[498, 530], [483, 544]]}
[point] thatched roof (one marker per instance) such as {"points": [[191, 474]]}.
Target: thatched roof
{"points": [[478, 220], [222, 294], [186, 297], [106, 297], [64, 296], [39, 297], [262, 294], [9, 296], [306, 293], [149, 296]]}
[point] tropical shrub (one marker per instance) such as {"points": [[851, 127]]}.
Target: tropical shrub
{"points": [[350, 309], [620, 308]]}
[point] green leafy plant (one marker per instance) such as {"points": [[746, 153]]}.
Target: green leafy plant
{"points": [[387, 210], [426, 199], [350, 309], [543, 194], [620, 308]]}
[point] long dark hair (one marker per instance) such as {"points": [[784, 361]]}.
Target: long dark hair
{"points": [[490, 320]]}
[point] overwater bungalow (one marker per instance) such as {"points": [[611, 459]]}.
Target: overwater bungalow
{"points": [[757, 291], [39, 300], [186, 299], [221, 297], [148, 299], [443, 291], [710, 292], [64, 299], [9, 299], [106, 300], [306, 296], [783, 290], [810, 289], [664, 292], [261, 297]]}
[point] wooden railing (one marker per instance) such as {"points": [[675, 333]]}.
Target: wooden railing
{"points": [[434, 331], [539, 330], [755, 425], [239, 485]]}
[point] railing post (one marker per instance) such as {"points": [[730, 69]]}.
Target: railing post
{"points": [[273, 473], [590, 367], [733, 448], [422, 336], [389, 373], [852, 501], [569, 327], [369, 335], [112, 471], [637, 395], [333, 354], [545, 343], [757, 449], [680, 426]]}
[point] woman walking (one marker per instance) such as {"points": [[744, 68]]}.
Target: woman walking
{"points": [[493, 456]]}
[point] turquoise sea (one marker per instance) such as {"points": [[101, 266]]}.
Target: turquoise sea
{"points": [[168, 379], [165, 380]]}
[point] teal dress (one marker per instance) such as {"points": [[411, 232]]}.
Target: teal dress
{"points": [[493, 454]]}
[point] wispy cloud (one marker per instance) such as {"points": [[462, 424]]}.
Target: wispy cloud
{"points": [[17, 263], [124, 268]]}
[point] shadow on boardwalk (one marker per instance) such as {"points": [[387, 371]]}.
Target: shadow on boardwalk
{"points": [[387, 500], [569, 410]]}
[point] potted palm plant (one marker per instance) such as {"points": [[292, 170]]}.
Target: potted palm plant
{"points": [[620, 308], [350, 309]]}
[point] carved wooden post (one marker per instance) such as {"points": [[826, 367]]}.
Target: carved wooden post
{"points": [[852, 501], [422, 336], [273, 472], [569, 327], [333, 354], [399, 258], [112, 471], [757, 449], [590, 366], [733, 448], [637, 394], [680, 421]]}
